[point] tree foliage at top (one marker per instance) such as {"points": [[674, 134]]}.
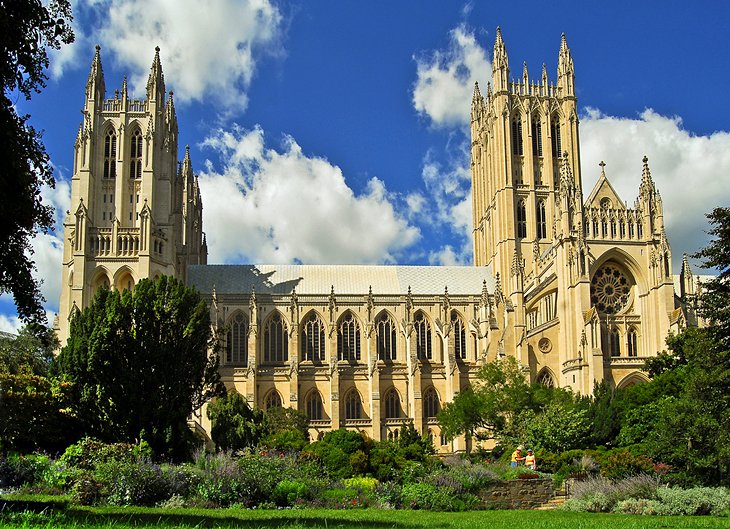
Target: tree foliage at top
{"points": [[30, 352], [235, 425], [140, 364], [503, 405], [27, 29]]}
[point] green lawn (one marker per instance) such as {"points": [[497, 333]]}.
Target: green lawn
{"points": [[122, 518]]}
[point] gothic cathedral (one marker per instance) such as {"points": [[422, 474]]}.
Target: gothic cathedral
{"points": [[578, 291]]}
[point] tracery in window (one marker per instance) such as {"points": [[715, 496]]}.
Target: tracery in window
{"points": [[135, 159], [353, 405], [614, 342], [610, 289], [536, 137], [458, 332], [517, 136], [237, 340], [555, 136], [423, 337], [348, 339], [521, 219], [313, 339], [392, 405], [631, 343], [314, 406], [276, 340], [431, 405], [272, 400], [541, 220], [110, 155], [545, 378], [386, 337]]}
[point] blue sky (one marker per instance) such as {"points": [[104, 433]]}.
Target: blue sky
{"points": [[336, 131]]}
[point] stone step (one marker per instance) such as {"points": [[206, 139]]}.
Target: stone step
{"points": [[554, 503]]}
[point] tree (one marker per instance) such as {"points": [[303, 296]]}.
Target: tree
{"points": [[27, 29], [235, 425], [30, 352], [140, 363]]}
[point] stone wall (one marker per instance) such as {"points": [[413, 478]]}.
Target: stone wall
{"points": [[517, 494]]}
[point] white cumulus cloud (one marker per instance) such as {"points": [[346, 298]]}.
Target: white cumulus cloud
{"points": [[284, 207], [445, 79], [690, 171], [208, 49]]}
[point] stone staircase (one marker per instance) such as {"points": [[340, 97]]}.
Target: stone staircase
{"points": [[556, 502]]}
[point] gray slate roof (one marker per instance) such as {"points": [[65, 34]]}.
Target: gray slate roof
{"points": [[346, 279]]}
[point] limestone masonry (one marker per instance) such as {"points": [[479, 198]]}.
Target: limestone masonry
{"points": [[578, 290]]}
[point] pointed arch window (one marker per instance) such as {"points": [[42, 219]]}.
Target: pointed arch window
{"points": [[459, 334], [546, 379], [353, 405], [386, 336], [276, 340], [272, 400], [536, 137], [423, 337], [348, 339], [614, 342], [517, 149], [431, 405], [622, 229], [632, 343], [110, 155], [521, 219], [631, 230], [392, 405], [237, 340], [135, 158], [639, 230], [314, 406], [541, 220], [555, 136], [313, 341]]}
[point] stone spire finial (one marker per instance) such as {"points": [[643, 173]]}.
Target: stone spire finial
{"points": [[544, 75], [500, 61], [566, 71], [525, 76], [124, 88], [95, 84], [156, 79]]}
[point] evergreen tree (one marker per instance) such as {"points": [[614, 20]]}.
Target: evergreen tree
{"points": [[27, 29], [140, 364]]}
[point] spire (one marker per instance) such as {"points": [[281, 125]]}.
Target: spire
{"points": [[544, 75], [187, 168], [170, 114], [156, 80], [500, 64], [95, 88], [566, 71], [124, 88], [477, 104], [525, 77]]}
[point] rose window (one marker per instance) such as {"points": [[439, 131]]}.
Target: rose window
{"points": [[610, 290]]}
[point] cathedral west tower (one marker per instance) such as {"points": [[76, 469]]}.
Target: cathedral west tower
{"points": [[136, 212], [590, 282]]}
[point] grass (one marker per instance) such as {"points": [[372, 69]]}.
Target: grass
{"points": [[134, 517]]}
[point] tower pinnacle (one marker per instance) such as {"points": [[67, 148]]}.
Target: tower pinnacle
{"points": [[500, 64], [95, 88]]}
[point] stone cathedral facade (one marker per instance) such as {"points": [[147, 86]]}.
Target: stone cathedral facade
{"points": [[578, 290]]}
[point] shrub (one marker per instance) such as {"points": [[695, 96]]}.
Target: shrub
{"points": [[132, 483], [17, 470], [602, 495], [361, 484], [427, 496], [637, 506], [88, 453], [622, 464], [695, 501], [287, 492]]}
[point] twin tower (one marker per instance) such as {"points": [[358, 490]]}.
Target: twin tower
{"points": [[136, 211]]}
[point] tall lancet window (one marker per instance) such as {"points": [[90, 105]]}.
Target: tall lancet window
{"points": [[110, 155], [536, 137], [517, 136], [521, 219], [423, 337], [541, 220], [135, 158], [555, 136], [385, 334]]}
